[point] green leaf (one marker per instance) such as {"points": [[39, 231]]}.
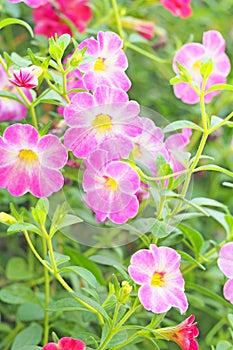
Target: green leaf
{"points": [[29, 336], [59, 258], [83, 274], [220, 218], [93, 304], [81, 260], [180, 124], [17, 294], [22, 226], [214, 167], [203, 201], [209, 293], [66, 304], [40, 211], [161, 229], [215, 121], [10, 95], [194, 237], [8, 21], [30, 312], [226, 87], [31, 347], [117, 339], [188, 257], [224, 345], [69, 220], [175, 80], [17, 270]]}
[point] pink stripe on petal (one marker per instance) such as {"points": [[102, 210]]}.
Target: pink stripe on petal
{"points": [[92, 48], [19, 181], [45, 182], [187, 55], [228, 290], [54, 154], [185, 93], [225, 260], [80, 142], [105, 95], [176, 298], [139, 275], [109, 42], [213, 42], [144, 259], [128, 211]]}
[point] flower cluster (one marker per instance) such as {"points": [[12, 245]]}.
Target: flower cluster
{"points": [[225, 263]]}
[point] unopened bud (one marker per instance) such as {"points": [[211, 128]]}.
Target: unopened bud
{"points": [[7, 219]]}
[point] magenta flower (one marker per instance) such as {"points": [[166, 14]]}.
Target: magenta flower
{"points": [[183, 334], [30, 163], [141, 26], [109, 62], [107, 114], [11, 109], [31, 3], [162, 285], [148, 145], [191, 56], [26, 77], [225, 263], [180, 8], [66, 343], [110, 187], [49, 18], [176, 147]]}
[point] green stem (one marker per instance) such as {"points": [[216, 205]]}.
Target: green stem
{"points": [[222, 123], [145, 53], [47, 294], [117, 16]]}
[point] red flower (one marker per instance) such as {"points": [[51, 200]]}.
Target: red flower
{"points": [[50, 19], [66, 343], [183, 334], [178, 7]]}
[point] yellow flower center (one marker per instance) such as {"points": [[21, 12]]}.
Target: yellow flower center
{"points": [[197, 65], [111, 184], [157, 280], [28, 156], [99, 65], [102, 123]]}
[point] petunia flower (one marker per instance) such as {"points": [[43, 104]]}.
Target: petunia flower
{"points": [[225, 263], [11, 109], [148, 145], [29, 163], [51, 17], [162, 285], [191, 56], [176, 147], [66, 343], [111, 187], [32, 3], [26, 77], [141, 26], [183, 334], [97, 118], [109, 62], [180, 8]]}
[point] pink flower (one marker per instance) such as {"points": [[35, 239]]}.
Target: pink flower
{"points": [[176, 147], [49, 18], [191, 56], [30, 163], [32, 3], [148, 145], [143, 27], [109, 62], [225, 263], [162, 285], [110, 187], [107, 114], [183, 334], [26, 77], [180, 8], [11, 109], [66, 343]]}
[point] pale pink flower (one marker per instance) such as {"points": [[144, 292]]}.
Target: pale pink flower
{"points": [[183, 334], [29, 163], [32, 3], [26, 77], [191, 56], [176, 147], [11, 109], [162, 285], [225, 263], [180, 8], [49, 18], [110, 187], [94, 119], [148, 145], [66, 343], [109, 62]]}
